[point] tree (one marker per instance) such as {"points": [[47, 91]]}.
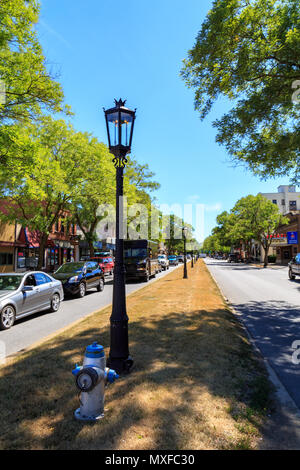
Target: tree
{"points": [[214, 243], [259, 219], [249, 52], [172, 233], [40, 189], [224, 230], [99, 189], [29, 87]]}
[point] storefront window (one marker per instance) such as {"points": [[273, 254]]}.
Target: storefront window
{"points": [[6, 259], [53, 258], [27, 258]]}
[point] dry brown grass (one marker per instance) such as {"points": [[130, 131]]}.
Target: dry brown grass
{"points": [[196, 383]]}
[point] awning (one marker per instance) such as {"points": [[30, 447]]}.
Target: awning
{"points": [[32, 238]]}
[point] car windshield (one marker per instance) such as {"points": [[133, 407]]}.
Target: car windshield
{"points": [[10, 282], [161, 257], [136, 253], [70, 268]]}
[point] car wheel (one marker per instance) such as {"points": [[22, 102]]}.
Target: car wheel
{"points": [[291, 275], [55, 303], [82, 290], [146, 278], [7, 317], [100, 286]]}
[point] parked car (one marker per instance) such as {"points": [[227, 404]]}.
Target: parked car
{"points": [[294, 267], [180, 258], [78, 277], [173, 260], [23, 294], [233, 258], [164, 262], [106, 263]]}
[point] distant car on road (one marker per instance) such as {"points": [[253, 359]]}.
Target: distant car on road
{"points": [[294, 267], [173, 260], [106, 263], [233, 258], [164, 262], [78, 277], [180, 258], [23, 294]]}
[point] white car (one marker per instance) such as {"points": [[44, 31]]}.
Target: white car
{"points": [[164, 262], [23, 294]]}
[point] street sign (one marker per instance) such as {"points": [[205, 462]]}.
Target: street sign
{"points": [[292, 238]]}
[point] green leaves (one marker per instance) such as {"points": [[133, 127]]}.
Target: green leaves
{"points": [[249, 52], [251, 218], [30, 89]]}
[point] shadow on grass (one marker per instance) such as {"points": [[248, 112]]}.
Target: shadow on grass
{"points": [[177, 358]]}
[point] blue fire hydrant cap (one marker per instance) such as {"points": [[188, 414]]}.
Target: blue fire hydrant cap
{"points": [[95, 350]]}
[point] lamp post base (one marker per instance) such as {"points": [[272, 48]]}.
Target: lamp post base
{"points": [[120, 365]]}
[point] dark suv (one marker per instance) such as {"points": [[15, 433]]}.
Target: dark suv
{"points": [[78, 277], [234, 258], [294, 267]]}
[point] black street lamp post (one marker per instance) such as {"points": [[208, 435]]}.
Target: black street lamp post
{"points": [[184, 234], [119, 125], [192, 258]]}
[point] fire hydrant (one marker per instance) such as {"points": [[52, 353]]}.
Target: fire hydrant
{"points": [[91, 379]]}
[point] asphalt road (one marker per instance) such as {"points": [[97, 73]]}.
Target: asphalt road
{"points": [[269, 304], [33, 328]]}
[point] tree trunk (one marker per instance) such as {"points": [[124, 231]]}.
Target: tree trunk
{"points": [[266, 256], [91, 247], [42, 246]]}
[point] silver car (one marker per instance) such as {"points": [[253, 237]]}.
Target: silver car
{"points": [[23, 294]]}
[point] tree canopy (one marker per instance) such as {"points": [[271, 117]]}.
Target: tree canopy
{"points": [[29, 87], [249, 52], [253, 218]]}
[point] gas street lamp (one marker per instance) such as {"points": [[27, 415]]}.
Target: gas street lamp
{"points": [[119, 126], [184, 234]]}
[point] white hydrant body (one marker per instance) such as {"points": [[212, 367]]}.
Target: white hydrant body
{"points": [[91, 379]]}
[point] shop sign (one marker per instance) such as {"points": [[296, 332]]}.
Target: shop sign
{"points": [[292, 238], [279, 241]]}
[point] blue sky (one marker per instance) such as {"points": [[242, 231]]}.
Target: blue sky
{"points": [[134, 50]]}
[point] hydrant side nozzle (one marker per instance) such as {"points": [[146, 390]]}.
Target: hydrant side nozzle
{"points": [[111, 375], [76, 370]]}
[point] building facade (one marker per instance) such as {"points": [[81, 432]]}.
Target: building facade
{"points": [[9, 244], [106, 234], [286, 198], [62, 246]]}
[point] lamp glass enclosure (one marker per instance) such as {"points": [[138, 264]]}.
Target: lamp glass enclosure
{"points": [[119, 123]]}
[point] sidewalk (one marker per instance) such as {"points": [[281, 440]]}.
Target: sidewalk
{"points": [[196, 382]]}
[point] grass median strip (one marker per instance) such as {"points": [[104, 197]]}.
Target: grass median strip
{"points": [[196, 382]]}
